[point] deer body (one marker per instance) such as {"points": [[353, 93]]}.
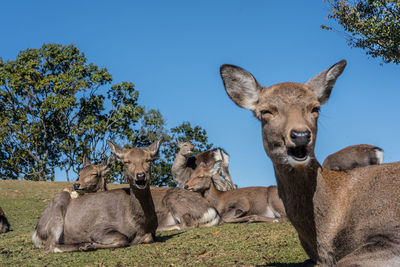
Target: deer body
{"points": [[4, 224], [247, 204], [353, 157], [107, 219], [185, 163], [343, 218]]}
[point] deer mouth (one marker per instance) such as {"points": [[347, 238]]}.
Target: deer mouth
{"points": [[298, 153], [141, 184]]}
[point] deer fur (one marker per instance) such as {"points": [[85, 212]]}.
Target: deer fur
{"points": [[185, 163], [4, 224], [249, 204], [109, 219], [354, 157], [343, 218]]}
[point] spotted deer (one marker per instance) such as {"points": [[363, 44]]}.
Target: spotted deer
{"points": [[354, 157], [185, 163], [108, 219], [248, 204], [4, 224], [343, 218]]}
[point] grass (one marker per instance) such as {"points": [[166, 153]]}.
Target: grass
{"points": [[265, 244]]}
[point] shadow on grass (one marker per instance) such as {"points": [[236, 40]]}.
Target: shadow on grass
{"points": [[279, 264], [164, 238]]}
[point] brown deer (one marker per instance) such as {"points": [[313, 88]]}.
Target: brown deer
{"points": [[354, 157], [176, 208], [109, 219], [347, 218], [4, 224], [185, 163], [249, 204]]}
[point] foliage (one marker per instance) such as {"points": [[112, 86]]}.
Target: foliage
{"points": [[261, 244], [373, 25], [56, 108]]}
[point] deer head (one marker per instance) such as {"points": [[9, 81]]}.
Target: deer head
{"points": [[201, 178], [186, 148], [288, 111], [137, 162]]}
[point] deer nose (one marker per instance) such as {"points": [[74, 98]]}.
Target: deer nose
{"points": [[76, 186], [186, 187], [140, 176], [300, 138]]}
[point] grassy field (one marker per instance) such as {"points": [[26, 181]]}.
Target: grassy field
{"points": [[226, 245]]}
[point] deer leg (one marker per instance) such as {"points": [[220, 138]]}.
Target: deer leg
{"points": [[111, 239], [71, 247], [251, 218]]}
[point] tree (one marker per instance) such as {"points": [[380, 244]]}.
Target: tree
{"points": [[373, 25], [55, 108]]}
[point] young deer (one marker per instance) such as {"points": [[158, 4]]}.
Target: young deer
{"points": [[347, 218], [185, 163], [109, 219], [354, 157], [4, 224], [249, 204]]}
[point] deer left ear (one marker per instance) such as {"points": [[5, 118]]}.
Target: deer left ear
{"points": [[217, 167], [118, 151], [323, 82], [154, 147], [86, 161]]}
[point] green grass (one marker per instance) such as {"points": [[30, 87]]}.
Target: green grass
{"points": [[23, 202]]}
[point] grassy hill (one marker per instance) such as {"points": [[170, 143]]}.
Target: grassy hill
{"points": [[23, 202]]}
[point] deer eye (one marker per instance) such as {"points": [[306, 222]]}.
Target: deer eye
{"points": [[265, 111], [315, 110]]}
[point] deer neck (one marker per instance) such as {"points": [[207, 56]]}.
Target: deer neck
{"points": [[213, 195], [298, 188]]}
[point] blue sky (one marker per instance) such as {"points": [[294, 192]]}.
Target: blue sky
{"points": [[172, 51]]}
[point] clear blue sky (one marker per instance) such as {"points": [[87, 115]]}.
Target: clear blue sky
{"points": [[172, 51]]}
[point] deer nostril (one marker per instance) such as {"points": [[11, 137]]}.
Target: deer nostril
{"points": [[140, 176], [300, 137], [76, 186], [186, 187]]}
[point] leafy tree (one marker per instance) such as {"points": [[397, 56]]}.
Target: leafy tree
{"points": [[373, 25], [53, 111], [56, 108]]}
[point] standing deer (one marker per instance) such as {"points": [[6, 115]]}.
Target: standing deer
{"points": [[354, 157], [109, 219], [4, 224], [249, 204], [185, 163], [176, 208], [347, 218]]}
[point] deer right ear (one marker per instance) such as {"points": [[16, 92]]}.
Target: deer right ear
{"points": [[118, 151], [241, 86], [217, 167]]}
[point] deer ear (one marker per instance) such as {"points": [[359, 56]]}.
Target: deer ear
{"points": [[86, 161], [241, 86], [323, 82], [154, 147], [118, 151], [107, 164], [217, 167]]}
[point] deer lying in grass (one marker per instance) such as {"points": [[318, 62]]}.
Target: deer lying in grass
{"points": [[342, 218], [91, 177], [249, 204], [185, 163], [4, 224], [109, 219], [353, 157]]}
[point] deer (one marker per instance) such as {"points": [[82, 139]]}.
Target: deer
{"points": [[343, 218], [91, 177], [108, 219], [4, 224], [248, 204], [354, 157], [185, 163], [176, 208]]}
